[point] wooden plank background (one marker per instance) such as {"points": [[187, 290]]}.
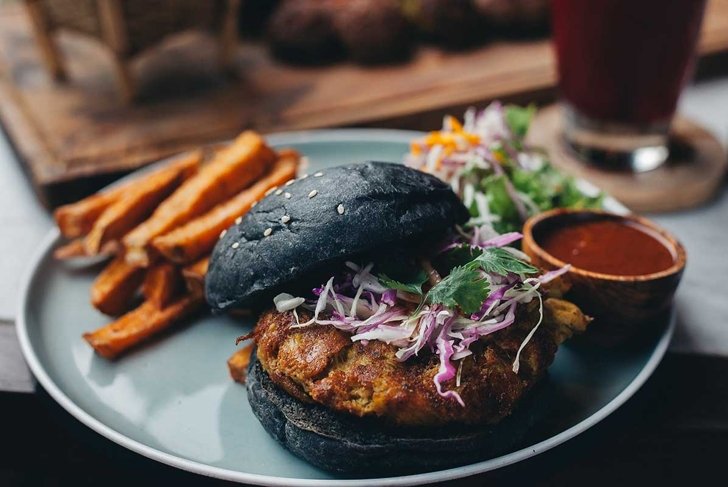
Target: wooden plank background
{"points": [[82, 130]]}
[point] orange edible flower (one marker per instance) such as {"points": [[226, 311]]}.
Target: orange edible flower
{"points": [[455, 125]]}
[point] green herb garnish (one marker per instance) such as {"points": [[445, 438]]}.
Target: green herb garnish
{"points": [[499, 261], [464, 287], [414, 285]]}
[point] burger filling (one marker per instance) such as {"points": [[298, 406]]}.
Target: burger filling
{"points": [[468, 289]]}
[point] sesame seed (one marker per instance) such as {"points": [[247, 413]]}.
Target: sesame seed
{"points": [[312, 193], [285, 219], [318, 174], [222, 234], [279, 192], [287, 196], [267, 232], [290, 182], [271, 190], [303, 176], [238, 220], [340, 209], [254, 203], [235, 245]]}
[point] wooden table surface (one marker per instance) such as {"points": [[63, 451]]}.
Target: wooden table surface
{"points": [[674, 431]]}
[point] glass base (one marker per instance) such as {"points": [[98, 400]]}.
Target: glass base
{"points": [[616, 146]]}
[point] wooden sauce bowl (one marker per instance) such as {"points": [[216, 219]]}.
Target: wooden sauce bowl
{"points": [[619, 304]]}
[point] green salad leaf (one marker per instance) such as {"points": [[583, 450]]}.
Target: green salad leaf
{"points": [[541, 187], [572, 197], [519, 118], [501, 204]]}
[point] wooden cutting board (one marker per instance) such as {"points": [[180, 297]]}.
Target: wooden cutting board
{"points": [[73, 137]]}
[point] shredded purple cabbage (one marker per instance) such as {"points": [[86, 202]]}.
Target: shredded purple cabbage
{"points": [[447, 370], [356, 302], [551, 275]]}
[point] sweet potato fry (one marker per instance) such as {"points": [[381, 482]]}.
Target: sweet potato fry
{"points": [[238, 363], [77, 219], [194, 275], [139, 201], [136, 326], [77, 249], [162, 284], [72, 249], [230, 170], [114, 289], [197, 237]]}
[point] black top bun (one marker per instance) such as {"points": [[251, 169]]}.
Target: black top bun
{"points": [[318, 220], [368, 446]]}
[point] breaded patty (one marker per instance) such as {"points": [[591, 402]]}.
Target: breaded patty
{"points": [[321, 364]]}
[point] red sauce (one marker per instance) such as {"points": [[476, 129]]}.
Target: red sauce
{"points": [[616, 247]]}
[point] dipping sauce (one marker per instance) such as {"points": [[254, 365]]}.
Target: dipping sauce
{"points": [[608, 246]]}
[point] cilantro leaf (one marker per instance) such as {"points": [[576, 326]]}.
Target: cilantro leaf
{"points": [[414, 285], [460, 255], [519, 118], [499, 261], [463, 287]]}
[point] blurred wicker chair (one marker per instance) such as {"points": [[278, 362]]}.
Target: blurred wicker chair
{"points": [[128, 27]]}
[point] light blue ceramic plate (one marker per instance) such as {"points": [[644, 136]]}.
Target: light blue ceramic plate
{"points": [[173, 401]]}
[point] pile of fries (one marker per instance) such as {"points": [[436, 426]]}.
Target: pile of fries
{"points": [[159, 230]]}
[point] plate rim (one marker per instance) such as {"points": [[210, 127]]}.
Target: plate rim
{"points": [[335, 135]]}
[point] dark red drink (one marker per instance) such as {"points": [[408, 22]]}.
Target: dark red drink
{"points": [[625, 61]]}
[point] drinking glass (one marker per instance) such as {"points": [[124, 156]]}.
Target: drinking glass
{"points": [[622, 65]]}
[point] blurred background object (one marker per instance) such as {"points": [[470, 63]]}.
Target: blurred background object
{"points": [[622, 66], [453, 23], [129, 27], [386, 31], [302, 64], [527, 17], [253, 16], [373, 31], [303, 32]]}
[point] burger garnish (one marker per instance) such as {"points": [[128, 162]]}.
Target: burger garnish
{"points": [[444, 315]]}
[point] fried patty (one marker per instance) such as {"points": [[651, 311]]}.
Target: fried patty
{"points": [[321, 364]]}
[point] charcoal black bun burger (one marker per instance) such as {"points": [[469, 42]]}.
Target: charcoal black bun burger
{"points": [[391, 339], [322, 219]]}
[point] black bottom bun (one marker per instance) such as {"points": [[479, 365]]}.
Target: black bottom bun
{"points": [[357, 446]]}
